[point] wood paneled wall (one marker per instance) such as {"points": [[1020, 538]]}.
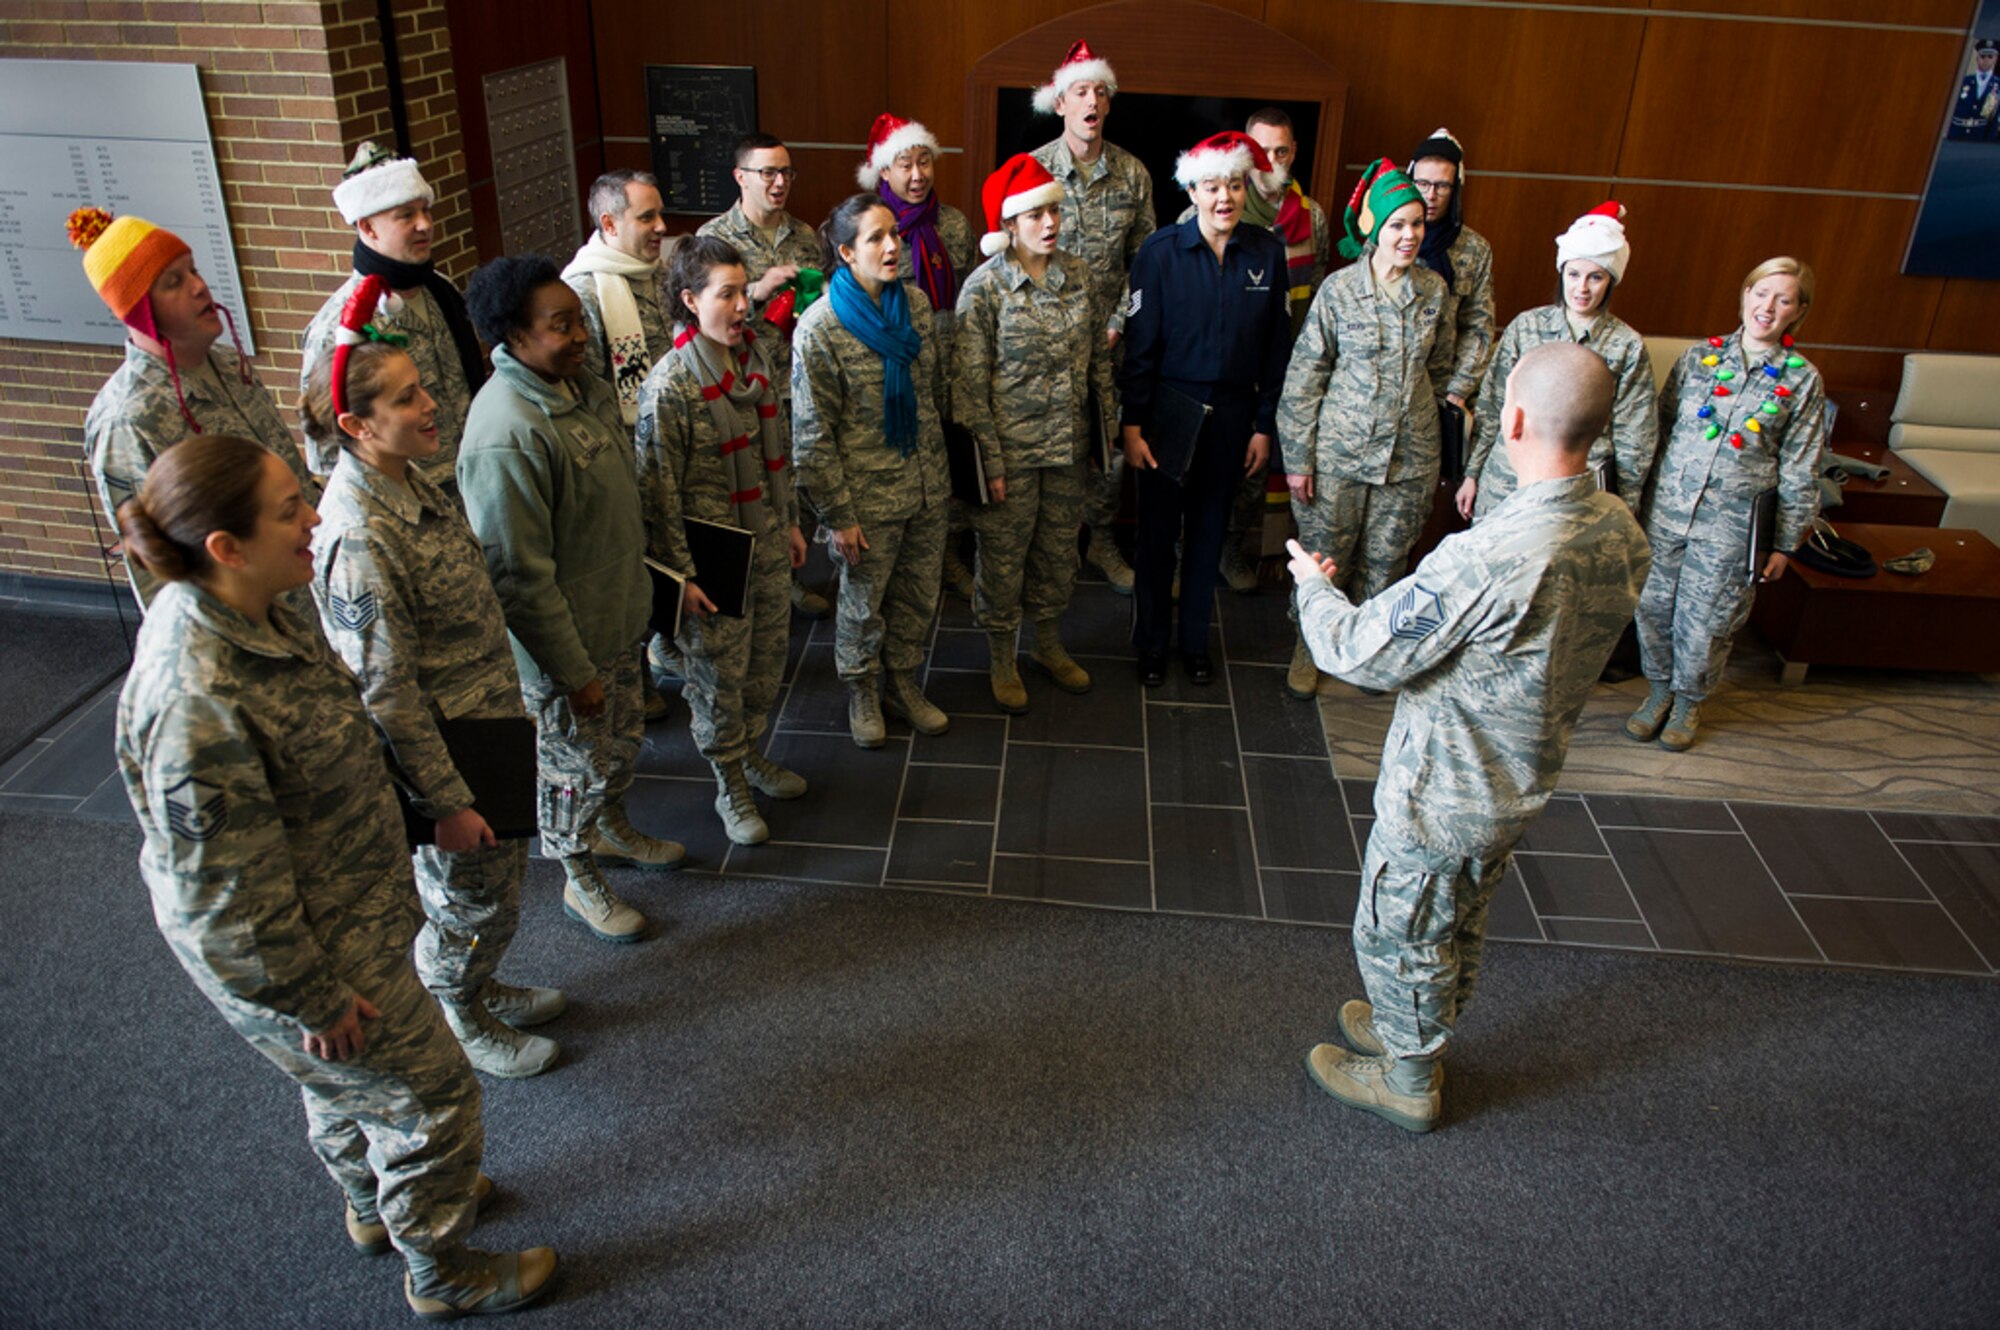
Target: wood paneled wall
{"points": [[1805, 128]]}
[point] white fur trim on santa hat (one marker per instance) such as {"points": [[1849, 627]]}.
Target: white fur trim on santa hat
{"points": [[911, 135], [1042, 196], [380, 188], [1199, 164], [1083, 71], [1597, 239]]}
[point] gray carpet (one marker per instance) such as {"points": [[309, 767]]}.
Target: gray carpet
{"points": [[49, 663], [815, 1106]]}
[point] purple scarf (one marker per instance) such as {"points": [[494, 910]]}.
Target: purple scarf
{"points": [[917, 224]]}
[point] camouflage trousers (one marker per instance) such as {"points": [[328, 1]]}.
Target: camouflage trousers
{"points": [[585, 762], [1419, 931], [1367, 530], [1027, 547], [472, 905], [887, 600], [398, 1127], [1105, 488], [1697, 598], [734, 667]]}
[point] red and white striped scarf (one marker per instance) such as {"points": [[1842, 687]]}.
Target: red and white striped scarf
{"points": [[738, 391]]}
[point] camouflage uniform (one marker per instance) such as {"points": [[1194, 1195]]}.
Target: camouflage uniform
{"points": [[793, 242], [654, 321], [1495, 641], [1469, 320], [1702, 494], [1358, 415], [1107, 213], [404, 594], [734, 666], [435, 352], [136, 417], [281, 880], [963, 247], [546, 476], [1027, 355], [852, 477], [1625, 452]]}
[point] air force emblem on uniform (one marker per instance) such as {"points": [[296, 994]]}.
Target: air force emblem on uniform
{"points": [[1418, 614], [355, 614], [195, 810]]}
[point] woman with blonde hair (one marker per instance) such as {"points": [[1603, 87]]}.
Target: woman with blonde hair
{"points": [[1740, 415]]}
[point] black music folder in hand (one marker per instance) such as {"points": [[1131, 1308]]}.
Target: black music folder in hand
{"points": [[1176, 425], [722, 556], [1763, 531], [495, 757], [668, 589], [1452, 429], [968, 468]]}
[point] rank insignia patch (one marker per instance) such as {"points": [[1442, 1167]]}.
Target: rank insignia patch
{"points": [[1417, 615], [195, 810]]}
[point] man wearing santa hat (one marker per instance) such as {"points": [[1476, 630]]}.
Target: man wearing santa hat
{"points": [[1107, 214]]}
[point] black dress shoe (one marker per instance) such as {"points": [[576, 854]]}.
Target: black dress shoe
{"points": [[1200, 669], [1152, 668]]}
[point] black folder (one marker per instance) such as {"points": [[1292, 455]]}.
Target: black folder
{"points": [[1176, 426], [668, 589], [1763, 531], [968, 468], [496, 758], [1451, 440], [722, 555]]}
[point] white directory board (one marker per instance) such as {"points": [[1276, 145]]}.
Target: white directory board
{"points": [[128, 138]]}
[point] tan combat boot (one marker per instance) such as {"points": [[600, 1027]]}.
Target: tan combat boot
{"points": [[767, 777], [1645, 723], [617, 841], [468, 1282], [1102, 554], [1682, 722], [1051, 655], [589, 899], [737, 807], [864, 713], [496, 1048], [522, 1007], [1009, 694], [1404, 1091], [1237, 571], [957, 577], [1357, 1027], [905, 700], [809, 602], [1302, 676]]}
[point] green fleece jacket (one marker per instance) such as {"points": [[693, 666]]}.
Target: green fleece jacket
{"points": [[547, 481]]}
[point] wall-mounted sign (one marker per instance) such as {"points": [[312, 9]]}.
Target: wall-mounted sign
{"points": [[128, 138], [695, 114]]}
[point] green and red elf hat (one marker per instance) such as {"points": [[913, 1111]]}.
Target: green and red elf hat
{"points": [[1382, 190]]}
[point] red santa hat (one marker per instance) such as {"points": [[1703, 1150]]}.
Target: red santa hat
{"points": [[891, 137], [1598, 237], [1081, 65], [1020, 185], [1219, 156]]}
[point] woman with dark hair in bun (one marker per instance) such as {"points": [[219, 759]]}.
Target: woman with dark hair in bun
{"points": [[275, 858], [406, 602], [712, 444], [867, 388], [545, 472]]}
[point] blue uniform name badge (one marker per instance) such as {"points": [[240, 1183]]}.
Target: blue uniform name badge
{"points": [[195, 810], [1417, 615], [352, 615]]}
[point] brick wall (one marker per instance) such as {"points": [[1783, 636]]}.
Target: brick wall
{"points": [[290, 89]]}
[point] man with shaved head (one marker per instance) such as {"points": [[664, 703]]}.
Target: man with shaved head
{"points": [[1494, 640]]}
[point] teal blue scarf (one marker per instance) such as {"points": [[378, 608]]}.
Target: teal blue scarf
{"points": [[884, 329]]}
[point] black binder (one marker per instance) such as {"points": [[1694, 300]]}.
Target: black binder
{"points": [[1177, 424], [1451, 440], [496, 758], [1763, 531], [968, 468], [722, 555]]}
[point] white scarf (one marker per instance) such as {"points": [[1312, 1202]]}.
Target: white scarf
{"points": [[627, 353]]}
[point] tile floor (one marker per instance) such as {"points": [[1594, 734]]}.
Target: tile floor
{"points": [[1223, 801]]}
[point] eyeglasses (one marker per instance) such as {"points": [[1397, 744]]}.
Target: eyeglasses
{"points": [[772, 174], [1428, 187]]}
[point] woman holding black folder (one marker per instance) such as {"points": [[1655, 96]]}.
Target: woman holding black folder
{"points": [[713, 447], [1741, 417], [275, 860], [1207, 334], [405, 600]]}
